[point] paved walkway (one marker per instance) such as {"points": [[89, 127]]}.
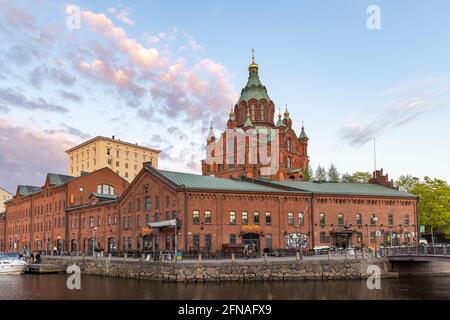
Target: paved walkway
{"points": [[237, 260]]}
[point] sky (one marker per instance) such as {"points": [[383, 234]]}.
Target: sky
{"points": [[158, 72]]}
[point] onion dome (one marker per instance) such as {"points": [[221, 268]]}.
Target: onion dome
{"points": [[232, 116], [248, 122], [254, 89], [303, 133], [280, 122], [211, 136]]}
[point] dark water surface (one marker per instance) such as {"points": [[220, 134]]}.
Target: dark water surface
{"points": [[53, 286]]}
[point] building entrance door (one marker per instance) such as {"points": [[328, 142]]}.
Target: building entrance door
{"points": [[112, 246], [342, 240], [90, 248], [73, 245], [251, 239]]}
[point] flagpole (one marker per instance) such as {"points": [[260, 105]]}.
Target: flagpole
{"points": [[374, 154]]}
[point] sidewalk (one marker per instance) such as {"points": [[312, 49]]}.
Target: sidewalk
{"points": [[227, 260]]}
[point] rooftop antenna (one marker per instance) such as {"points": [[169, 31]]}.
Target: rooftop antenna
{"points": [[374, 154]]}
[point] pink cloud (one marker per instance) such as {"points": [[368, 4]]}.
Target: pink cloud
{"points": [[17, 16], [144, 57], [121, 77], [28, 154]]}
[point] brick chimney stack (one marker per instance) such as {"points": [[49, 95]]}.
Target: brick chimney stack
{"points": [[379, 178]]}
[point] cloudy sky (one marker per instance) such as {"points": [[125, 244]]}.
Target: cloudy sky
{"points": [[157, 72]]}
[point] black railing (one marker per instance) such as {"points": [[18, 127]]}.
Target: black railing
{"points": [[420, 250]]}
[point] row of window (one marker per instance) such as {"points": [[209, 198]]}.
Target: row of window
{"points": [[82, 166], [245, 218], [148, 201], [38, 210], [359, 220], [136, 155], [37, 226], [290, 218], [127, 222], [105, 189]]}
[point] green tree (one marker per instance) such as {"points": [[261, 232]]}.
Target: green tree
{"points": [[406, 183], [434, 204], [321, 173], [333, 174], [356, 177], [309, 174]]}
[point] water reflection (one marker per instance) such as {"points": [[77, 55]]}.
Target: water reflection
{"points": [[29, 287]]}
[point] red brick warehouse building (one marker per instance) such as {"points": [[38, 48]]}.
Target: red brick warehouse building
{"points": [[235, 201], [36, 217]]}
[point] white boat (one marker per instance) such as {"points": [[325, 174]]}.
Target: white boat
{"points": [[12, 264]]}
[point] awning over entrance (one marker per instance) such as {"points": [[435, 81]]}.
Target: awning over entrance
{"points": [[163, 224], [343, 231]]}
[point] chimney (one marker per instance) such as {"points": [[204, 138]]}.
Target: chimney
{"points": [[148, 164], [113, 137], [383, 180]]}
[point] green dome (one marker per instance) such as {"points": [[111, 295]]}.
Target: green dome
{"points": [[254, 89]]}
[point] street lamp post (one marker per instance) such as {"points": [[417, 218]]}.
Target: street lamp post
{"points": [[93, 241], [375, 219], [176, 240]]}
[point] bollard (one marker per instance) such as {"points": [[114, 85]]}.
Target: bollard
{"points": [[232, 257], [297, 255], [125, 256], [329, 254], [345, 254], [265, 257], [109, 256], [356, 254], [199, 257]]}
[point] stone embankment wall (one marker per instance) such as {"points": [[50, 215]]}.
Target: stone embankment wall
{"points": [[226, 271]]}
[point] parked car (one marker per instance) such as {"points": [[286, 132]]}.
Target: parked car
{"points": [[423, 241]]}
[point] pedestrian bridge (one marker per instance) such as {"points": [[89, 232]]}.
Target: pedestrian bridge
{"points": [[419, 260]]}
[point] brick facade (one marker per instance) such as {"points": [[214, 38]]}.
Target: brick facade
{"points": [[117, 224], [38, 221]]}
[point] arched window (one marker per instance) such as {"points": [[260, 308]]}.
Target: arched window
{"points": [[289, 145], [261, 113], [253, 112], [301, 219], [289, 162], [105, 189]]}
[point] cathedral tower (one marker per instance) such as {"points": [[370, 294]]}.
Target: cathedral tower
{"points": [[239, 152]]}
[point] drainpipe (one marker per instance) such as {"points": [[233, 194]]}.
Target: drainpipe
{"points": [[119, 243], [312, 221], [418, 221], [185, 222]]}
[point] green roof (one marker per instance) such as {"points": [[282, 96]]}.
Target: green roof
{"points": [[254, 89], [104, 196], [195, 181], [344, 188], [58, 179], [280, 122], [248, 122], [27, 190], [302, 134]]}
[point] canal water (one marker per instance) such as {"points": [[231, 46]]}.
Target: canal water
{"points": [[53, 286]]}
